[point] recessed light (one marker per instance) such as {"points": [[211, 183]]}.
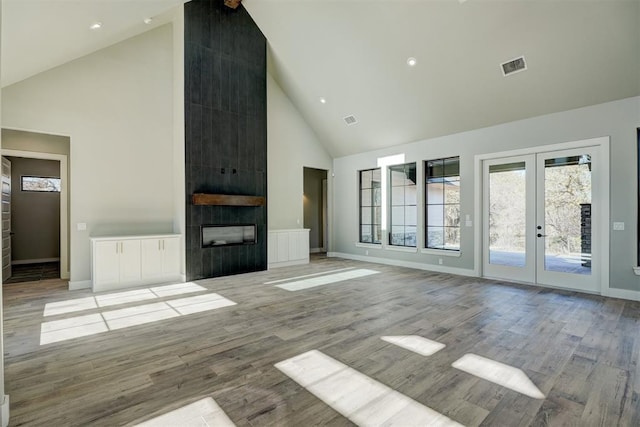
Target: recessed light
{"points": [[96, 25], [411, 62], [323, 101], [148, 20]]}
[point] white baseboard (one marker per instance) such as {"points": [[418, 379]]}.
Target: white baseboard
{"points": [[621, 293], [610, 292], [80, 284], [65, 275], [4, 411], [287, 263], [409, 264], [33, 261]]}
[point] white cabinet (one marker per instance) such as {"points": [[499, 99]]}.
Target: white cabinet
{"points": [[116, 263], [288, 247], [126, 261], [160, 257]]}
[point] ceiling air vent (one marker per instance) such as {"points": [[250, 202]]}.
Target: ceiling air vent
{"points": [[514, 66], [350, 120]]}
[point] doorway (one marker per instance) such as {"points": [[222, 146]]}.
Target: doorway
{"points": [[541, 218], [315, 208], [33, 219]]}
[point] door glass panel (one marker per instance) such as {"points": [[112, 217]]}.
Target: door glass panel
{"points": [[507, 214], [567, 214]]}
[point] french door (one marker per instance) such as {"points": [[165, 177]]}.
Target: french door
{"points": [[541, 218]]}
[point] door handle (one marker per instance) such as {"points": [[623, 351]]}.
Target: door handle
{"points": [[542, 235]]}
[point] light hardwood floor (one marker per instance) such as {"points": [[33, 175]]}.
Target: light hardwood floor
{"points": [[581, 351]]}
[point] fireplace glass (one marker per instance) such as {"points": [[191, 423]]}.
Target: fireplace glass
{"points": [[225, 235]]}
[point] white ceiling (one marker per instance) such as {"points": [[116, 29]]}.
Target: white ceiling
{"points": [[354, 52], [38, 35]]}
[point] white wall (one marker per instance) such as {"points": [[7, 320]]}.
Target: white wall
{"points": [[618, 120], [117, 107], [291, 145]]}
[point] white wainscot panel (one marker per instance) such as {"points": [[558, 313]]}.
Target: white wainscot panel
{"points": [[288, 247]]}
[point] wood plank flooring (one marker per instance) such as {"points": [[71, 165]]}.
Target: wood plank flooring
{"points": [[581, 351]]}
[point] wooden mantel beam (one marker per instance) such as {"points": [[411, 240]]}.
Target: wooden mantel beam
{"points": [[203, 199]]}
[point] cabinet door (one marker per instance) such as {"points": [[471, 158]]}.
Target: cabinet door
{"points": [[107, 263], [130, 261], [171, 257], [282, 250], [299, 245], [151, 258]]}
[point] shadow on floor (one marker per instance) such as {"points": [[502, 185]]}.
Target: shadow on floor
{"points": [[34, 272]]}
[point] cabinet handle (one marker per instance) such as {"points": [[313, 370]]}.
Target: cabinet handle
{"points": [[163, 245], [117, 244], [121, 247], [159, 245]]}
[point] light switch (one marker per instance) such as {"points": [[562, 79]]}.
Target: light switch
{"points": [[82, 226], [618, 226]]}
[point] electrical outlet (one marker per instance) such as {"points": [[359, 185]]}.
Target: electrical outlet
{"points": [[440, 261], [618, 226], [82, 226], [366, 252]]}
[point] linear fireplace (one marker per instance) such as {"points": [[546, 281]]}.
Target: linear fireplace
{"points": [[227, 235]]}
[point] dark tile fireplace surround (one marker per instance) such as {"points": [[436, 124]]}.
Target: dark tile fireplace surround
{"points": [[225, 134]]}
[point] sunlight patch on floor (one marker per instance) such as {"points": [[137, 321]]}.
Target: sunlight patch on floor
{"points": [[203, 413], [358, 397], [106, 300], [498, 373], [91, 324], [134, 316], [75, 327], [200, 303], [322, 273], [326, 280], [415, 343]]}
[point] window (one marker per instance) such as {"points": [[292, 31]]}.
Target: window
{"points": [[40, 184], [370, 206], [404, 211], [442, 210]]}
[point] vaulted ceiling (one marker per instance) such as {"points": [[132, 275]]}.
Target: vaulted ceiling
{"points": [[353, 53], [38, 35]]}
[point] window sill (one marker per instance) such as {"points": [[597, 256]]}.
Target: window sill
{"points": [[369, 245], [440, 252], [401, 249]]}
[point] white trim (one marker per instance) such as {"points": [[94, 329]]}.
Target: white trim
{"points": [[440, 252], [408, 264], [4, 411], [287, 263], [369, 245], [603, 143], [33, 261], [64, 191], [79, 284], [407, 249], [621, 293]]}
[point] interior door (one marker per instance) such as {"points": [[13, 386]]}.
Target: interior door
{"points": [[6, 219], [541, 219]]}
